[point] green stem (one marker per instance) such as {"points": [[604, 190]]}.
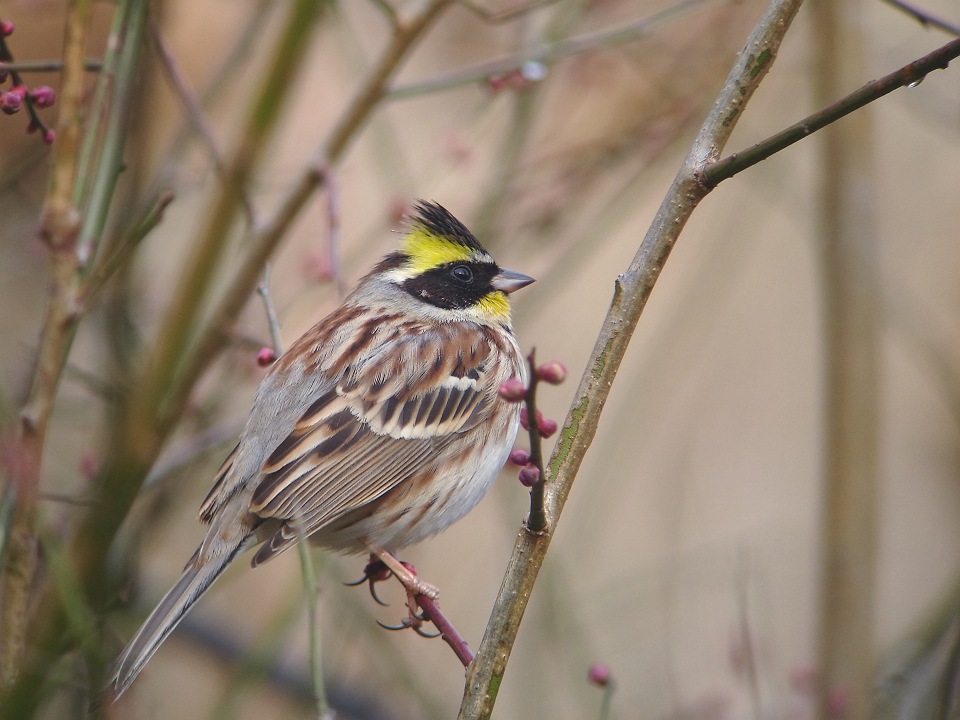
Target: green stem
{"points": [[109, 160], [316, 659]]}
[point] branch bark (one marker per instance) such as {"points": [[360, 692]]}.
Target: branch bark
{"points": [[60, 226], [631, 291]]}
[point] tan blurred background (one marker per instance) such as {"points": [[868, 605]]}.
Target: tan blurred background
{"points": [[686, 559]]}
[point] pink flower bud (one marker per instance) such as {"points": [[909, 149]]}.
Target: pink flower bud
{"points": [[10, 102], [6, 28], [529, 475], [43, 96], [49, 136], [599, 674], [512, 390], [519, 457], [524, 420], [552, 372], [266, 357], [548, 426]]}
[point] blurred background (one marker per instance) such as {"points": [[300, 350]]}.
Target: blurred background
{"points": [[687, 558]]}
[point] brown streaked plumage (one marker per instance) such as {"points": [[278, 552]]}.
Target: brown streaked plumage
{"points": [[379, 427]]}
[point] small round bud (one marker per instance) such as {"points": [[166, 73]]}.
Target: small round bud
{"points": [[6, 28], [266, 357], [548, 426], [43, 96], [524, 420], [529, 475], [512, 390], [519, 457], [49, 136], [10, 102], [599, 674], [552, 372]]}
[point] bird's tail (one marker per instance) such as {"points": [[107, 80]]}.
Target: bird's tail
{"points": [[196, 579]]}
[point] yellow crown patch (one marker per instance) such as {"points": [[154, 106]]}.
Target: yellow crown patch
{"points": [[428, 251]]}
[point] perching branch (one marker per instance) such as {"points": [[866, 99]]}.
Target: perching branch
{"points": [[632, 289]]}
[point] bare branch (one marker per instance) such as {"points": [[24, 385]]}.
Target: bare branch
{"points": [[908, 76], [632, 289]]}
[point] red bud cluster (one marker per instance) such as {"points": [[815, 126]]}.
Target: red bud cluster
{"points": [[12, 100]]}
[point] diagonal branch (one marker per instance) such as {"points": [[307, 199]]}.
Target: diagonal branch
{"points": [[632, 289], [909, 75]]}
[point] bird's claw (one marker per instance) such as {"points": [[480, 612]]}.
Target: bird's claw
{"points": [[375, 571], [412, 621]]}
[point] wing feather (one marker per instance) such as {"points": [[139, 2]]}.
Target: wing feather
{"points": [[371, 425]]}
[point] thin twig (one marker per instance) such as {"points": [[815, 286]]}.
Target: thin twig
{"points": [[316, 659], [632, 289], [195, 113], [507, 14], [332, 187], [105, 269], [924, 18], [263, 289], [550, 52], [909, 75], [448, 632], [537, 519], [43, 66]]}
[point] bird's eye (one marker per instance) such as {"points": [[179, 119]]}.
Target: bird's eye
{"points": [[462, 274]]}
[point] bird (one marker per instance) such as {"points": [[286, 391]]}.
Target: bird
{"points": [[378, 428]]}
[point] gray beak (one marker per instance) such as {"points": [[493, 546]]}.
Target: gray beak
{"points": [[508, 281]]}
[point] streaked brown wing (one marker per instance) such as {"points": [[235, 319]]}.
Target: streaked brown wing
{"points": [[213, 499], [381, 425]]}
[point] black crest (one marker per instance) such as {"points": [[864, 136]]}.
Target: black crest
{"points": [[438, 220]]}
